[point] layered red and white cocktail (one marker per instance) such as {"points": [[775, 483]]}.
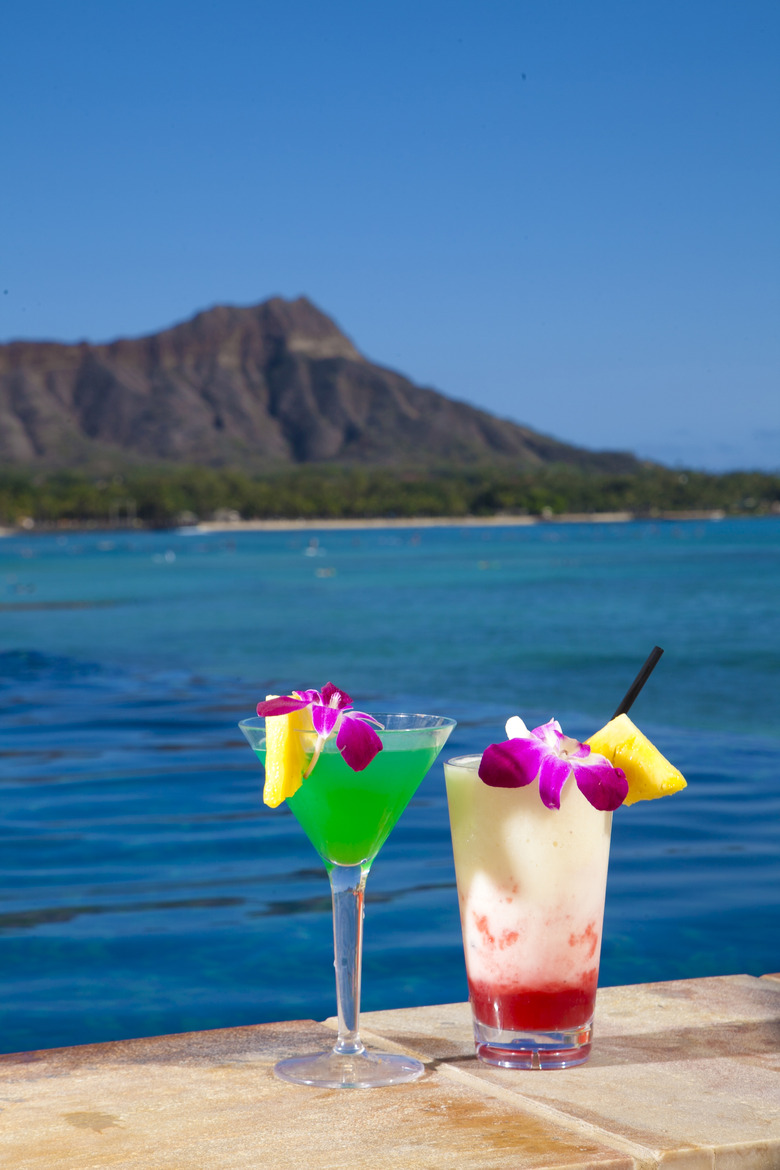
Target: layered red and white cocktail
{"points": [[531, 887], [531, 820]]}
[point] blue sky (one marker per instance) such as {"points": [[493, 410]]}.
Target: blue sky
{"points": [[564, 211]]}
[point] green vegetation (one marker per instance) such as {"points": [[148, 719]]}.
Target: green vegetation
{"points": [[159, 497]]}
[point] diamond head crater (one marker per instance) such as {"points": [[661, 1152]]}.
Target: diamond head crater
{"points": [[272, 411]]}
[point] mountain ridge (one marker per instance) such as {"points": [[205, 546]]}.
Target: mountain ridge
{"points": [[267, 385]]}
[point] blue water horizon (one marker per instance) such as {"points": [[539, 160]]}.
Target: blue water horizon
{"points": [[146, 889]]}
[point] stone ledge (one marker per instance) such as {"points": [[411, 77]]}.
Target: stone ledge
{"points": [[683, 1074]]}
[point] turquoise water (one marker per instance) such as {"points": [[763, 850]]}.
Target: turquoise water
{"points": [[144, 888]]}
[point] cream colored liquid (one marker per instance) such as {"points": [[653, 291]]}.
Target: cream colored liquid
{"points": [[531, 883]]}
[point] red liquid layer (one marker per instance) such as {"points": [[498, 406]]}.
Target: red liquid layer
{"points": [[553, 1008]]}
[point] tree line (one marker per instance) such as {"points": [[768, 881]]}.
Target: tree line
{"points": [[158, 497]]}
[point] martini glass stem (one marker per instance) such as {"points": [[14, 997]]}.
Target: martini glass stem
{"points": [[347, 884]]}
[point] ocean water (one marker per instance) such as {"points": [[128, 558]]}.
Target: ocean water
{"points": [[144, 888]]}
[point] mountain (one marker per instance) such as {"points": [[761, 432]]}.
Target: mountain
{"points": [[273, 384]]}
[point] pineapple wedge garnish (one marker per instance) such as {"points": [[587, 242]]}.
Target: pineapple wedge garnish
{"points": [[649, 774], [285, 758]]}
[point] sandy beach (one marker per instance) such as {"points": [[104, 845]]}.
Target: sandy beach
{"points": [[440, 521], [403, 522]]}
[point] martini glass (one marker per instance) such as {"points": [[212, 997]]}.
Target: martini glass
{"points": [[348, 816]]}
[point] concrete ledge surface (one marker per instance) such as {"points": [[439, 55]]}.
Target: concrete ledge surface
{"points": [[683, 1074]]}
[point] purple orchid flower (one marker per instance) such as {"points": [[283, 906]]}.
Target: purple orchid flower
{"points": [[331, 710], [552, 756]]}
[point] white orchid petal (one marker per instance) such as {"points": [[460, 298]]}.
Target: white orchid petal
{"points": [[516, 729]]}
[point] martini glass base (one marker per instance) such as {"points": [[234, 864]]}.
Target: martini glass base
{"points": [[363, 1070]]}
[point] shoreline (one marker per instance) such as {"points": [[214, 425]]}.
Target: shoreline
{"points": [[205, 527], [346, 523]]}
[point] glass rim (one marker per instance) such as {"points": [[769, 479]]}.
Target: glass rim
{"points": [[441, 721], [469, 763]]}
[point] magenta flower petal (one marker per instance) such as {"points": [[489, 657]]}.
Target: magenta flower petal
{"points": [[333, 697], [364, 715], [551, 735], [357, 742], [324, 719], [511, 764], [284, 705], [603, 785], [308, 696], [554, 774]]}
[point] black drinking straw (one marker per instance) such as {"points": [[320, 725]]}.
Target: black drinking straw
{"points": [[639, 681]]}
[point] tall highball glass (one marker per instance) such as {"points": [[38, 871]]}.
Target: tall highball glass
{"points": [[531, 886]]}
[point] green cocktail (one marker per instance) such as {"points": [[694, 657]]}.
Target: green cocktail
{"points": [[347, 815]]}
